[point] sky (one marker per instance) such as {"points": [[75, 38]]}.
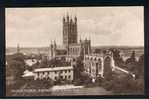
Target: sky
{"points": [[105, 26]]}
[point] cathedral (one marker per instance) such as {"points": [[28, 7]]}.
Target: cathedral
{"points": [[95, 64], [73, 47]]}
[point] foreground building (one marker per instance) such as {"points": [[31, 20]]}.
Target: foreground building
{"points": [[55, 73]]}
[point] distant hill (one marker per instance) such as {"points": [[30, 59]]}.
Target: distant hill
{"points": [[27, 50], [119, 47], [126, 50]]}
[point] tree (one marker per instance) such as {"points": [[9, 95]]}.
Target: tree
{"points": [[124, 85], [131, 63], [140, 66], [131, 59], [141, 60], [16, 65], [97, 50], [117, 57]]}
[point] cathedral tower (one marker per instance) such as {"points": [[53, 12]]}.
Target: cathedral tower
{"points": [[69, 30]]}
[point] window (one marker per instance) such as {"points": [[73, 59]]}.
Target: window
{"points": [[38, 73], [69, 77], [65, 71], [69, 71], [65, 77], [55, 72], [55, 78]]}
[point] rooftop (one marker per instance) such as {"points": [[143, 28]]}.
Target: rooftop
{"points": [[53, 69]]}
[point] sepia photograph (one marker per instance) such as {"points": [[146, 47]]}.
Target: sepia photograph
{"points": [[74, 51]]}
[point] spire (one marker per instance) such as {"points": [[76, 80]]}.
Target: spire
{"points": [[54, 44], [75, 19], [71, 21], [18, 48], [67, 17]]}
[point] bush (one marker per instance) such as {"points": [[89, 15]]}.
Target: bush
{"points": [[39, 84], [106, 84], [127, 85]]}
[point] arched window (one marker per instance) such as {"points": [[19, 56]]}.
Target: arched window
{"points": [[55, 78]]}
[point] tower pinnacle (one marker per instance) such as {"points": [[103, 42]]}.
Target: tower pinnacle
{"points": [[18, 48]]}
